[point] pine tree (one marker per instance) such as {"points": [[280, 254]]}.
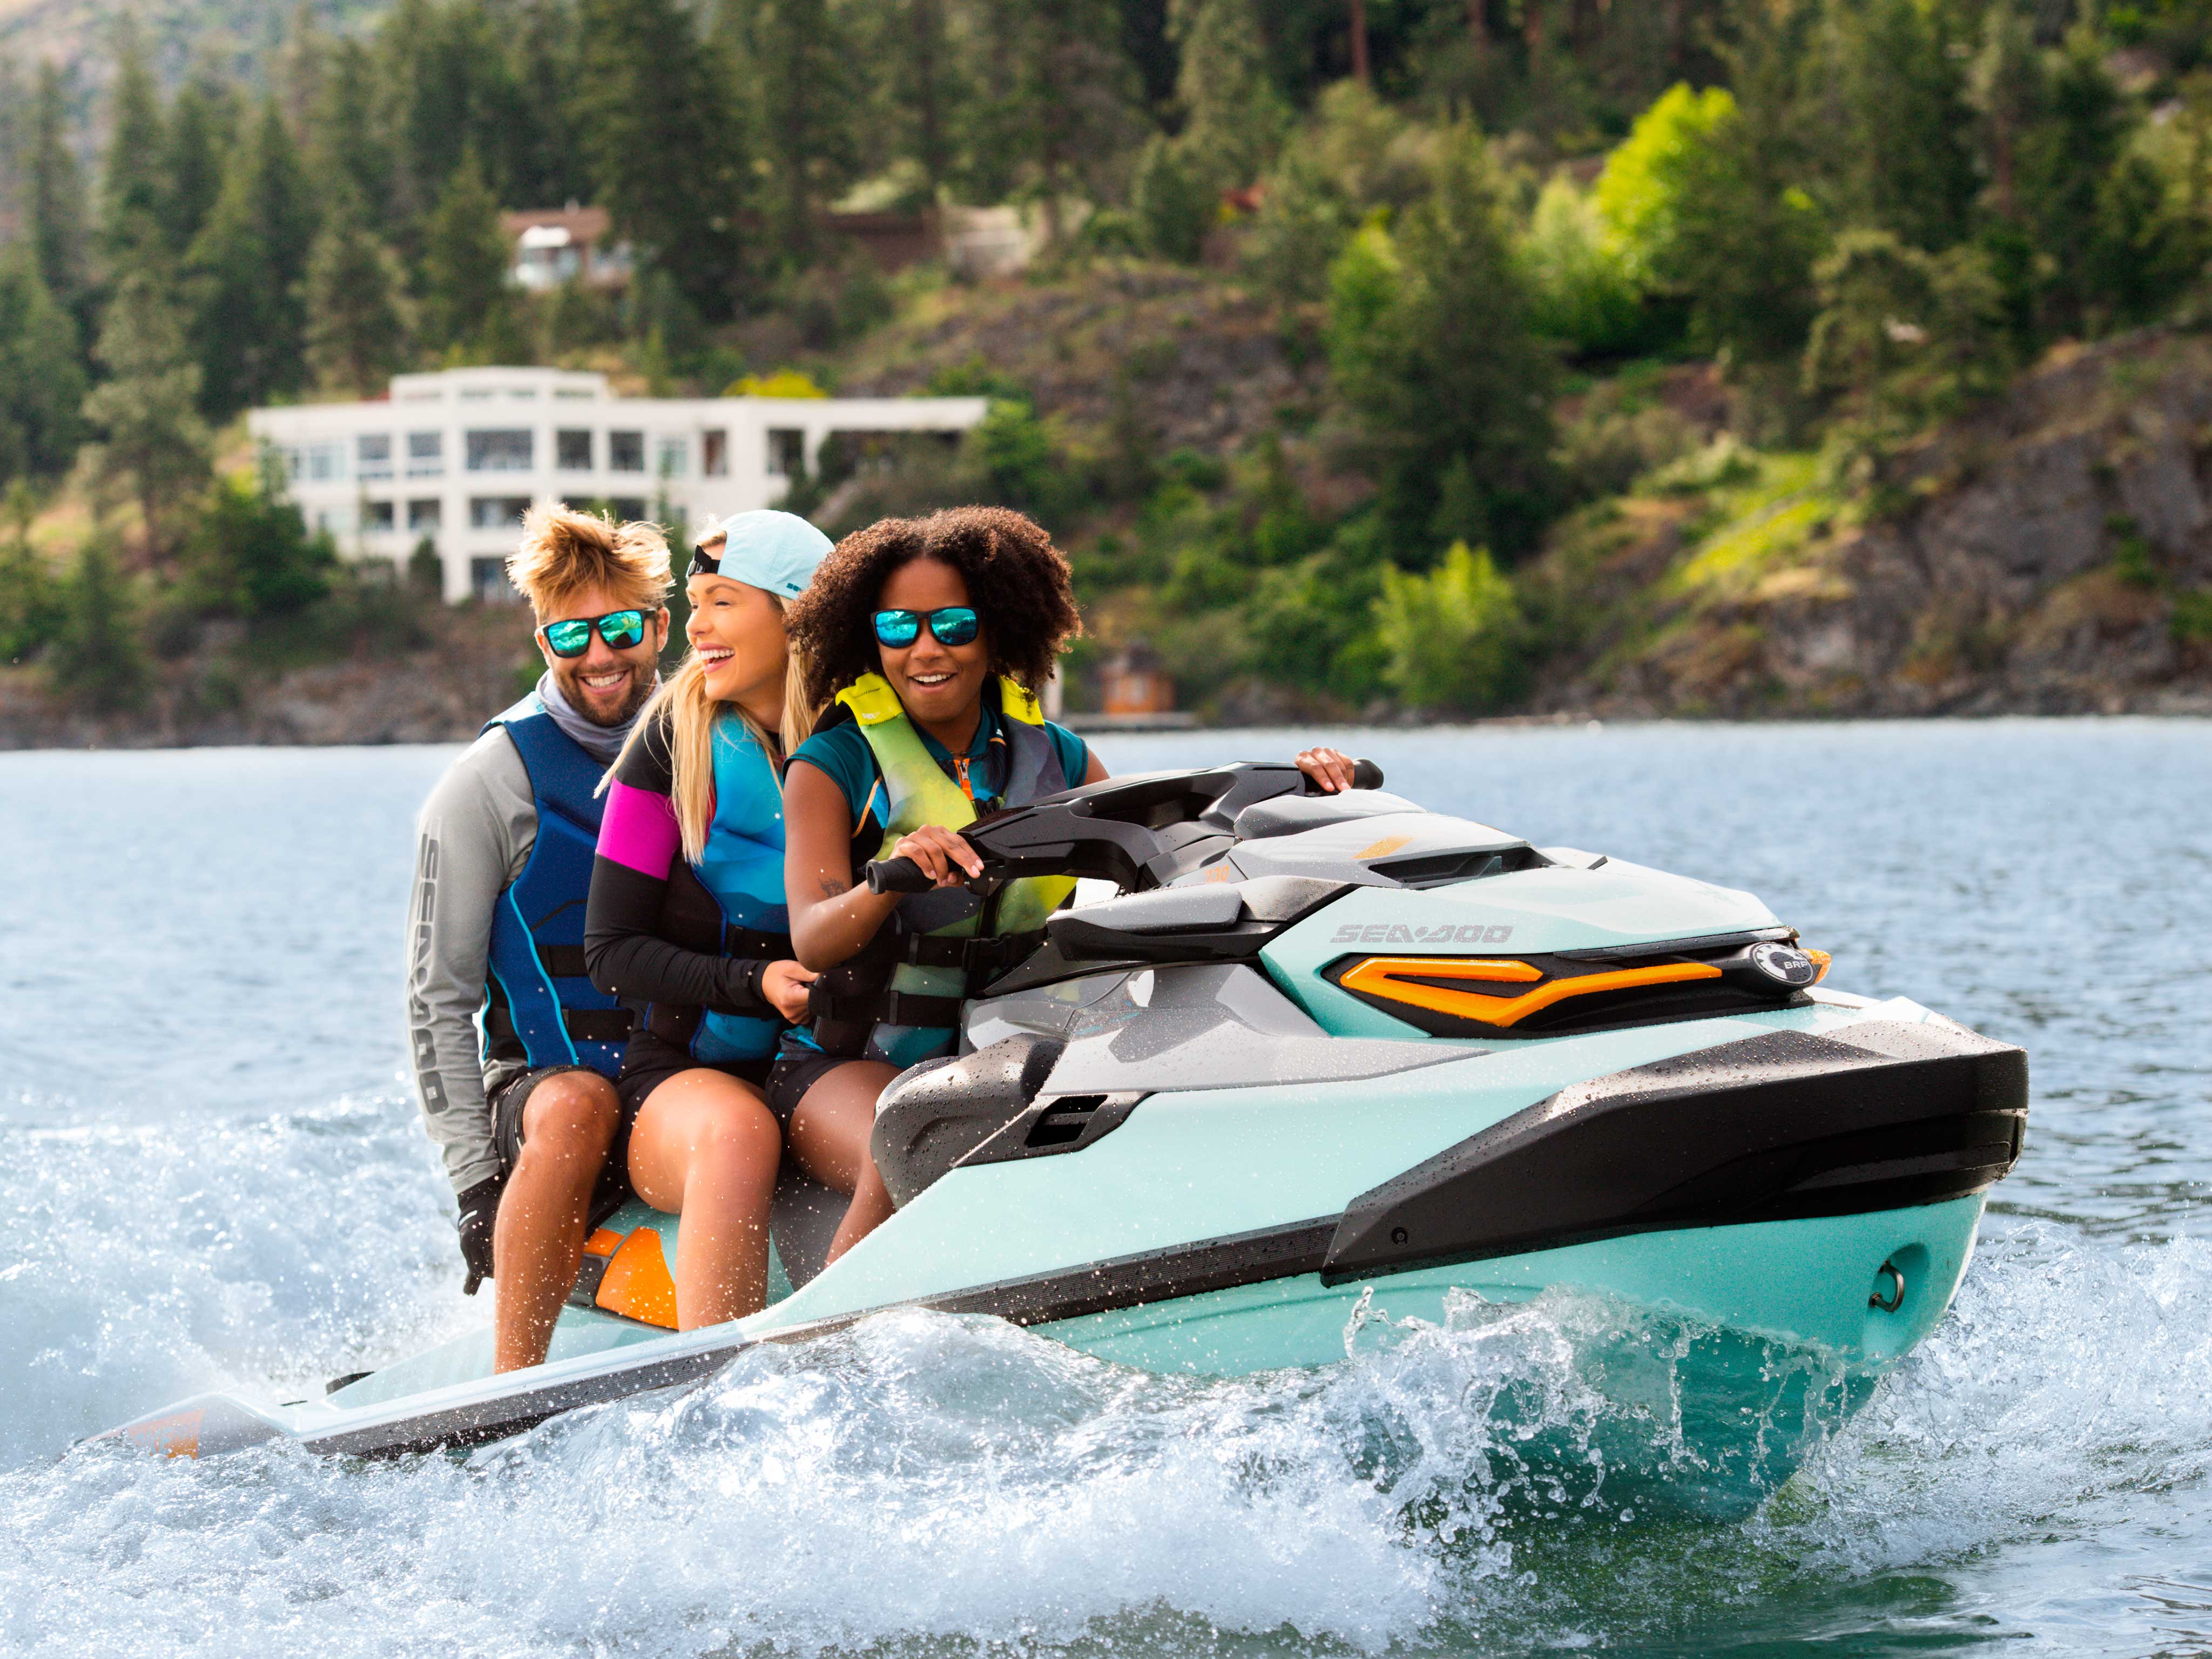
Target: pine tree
{"points": [[464, 261], [95, 660], [650, 90], [797, 62], [1431, 350], [41, 375], [1905, 164], [1059, 116], [132, 190], [248, 268], [346, 137], [203, 126], [153, 446], [1234, 116], [355, 339], [53, 204]]}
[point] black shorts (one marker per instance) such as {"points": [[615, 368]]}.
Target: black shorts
{"points": [[798, 1068], [650, 1061], [612, 1190]]}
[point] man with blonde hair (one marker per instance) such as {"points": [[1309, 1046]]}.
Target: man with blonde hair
{"points": [[515, 1051]]}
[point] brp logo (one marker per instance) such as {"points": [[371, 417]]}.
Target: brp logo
{"points": [[1785, 964]]}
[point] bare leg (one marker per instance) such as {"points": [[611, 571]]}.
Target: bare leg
{"points": [[705, 1147], [537, 1241], [830, 1132]]}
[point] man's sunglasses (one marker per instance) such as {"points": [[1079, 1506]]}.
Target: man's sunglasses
{"points": [[572, 636], [953, 625]]}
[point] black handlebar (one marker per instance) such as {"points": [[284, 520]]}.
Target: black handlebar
{"points": [[900, 875], [897, 876]]}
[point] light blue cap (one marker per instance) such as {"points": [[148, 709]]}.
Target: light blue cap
{"points": [[776, 552]]}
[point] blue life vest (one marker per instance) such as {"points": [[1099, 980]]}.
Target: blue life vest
{"points": [[540, 995], [742, 867]]}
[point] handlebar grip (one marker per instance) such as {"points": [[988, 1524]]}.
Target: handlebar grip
{"points": [[1366, 774], [897, 876]]}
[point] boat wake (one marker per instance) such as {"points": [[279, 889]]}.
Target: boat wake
{"points": [[1519, 1474]]}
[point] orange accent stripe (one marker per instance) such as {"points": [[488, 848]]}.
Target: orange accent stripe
{"points": [[1381, 976], [603, 1241], [1388, 844], [1820, 960], [636, 1285]]}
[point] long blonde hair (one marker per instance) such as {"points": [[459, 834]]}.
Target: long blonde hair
{"points": [[683, 702]]}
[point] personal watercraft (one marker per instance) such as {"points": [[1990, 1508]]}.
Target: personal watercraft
{"points": [[1323, 1057]]}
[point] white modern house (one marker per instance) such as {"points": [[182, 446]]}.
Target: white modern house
{"points": [[459, 456]]}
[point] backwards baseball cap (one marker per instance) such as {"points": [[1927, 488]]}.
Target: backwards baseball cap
{"points": [[776, 552]]}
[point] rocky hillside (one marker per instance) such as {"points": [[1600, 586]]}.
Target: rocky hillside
{"points": [[2050, 553], [433, 677]]}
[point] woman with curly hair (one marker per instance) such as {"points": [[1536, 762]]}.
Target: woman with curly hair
{"points": [[929, 640]]}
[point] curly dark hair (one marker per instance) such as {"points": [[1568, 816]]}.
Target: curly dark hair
{"points": [[1016, 579]]}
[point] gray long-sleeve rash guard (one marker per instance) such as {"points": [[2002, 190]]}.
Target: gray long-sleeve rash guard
{"points": [[472, 839]]}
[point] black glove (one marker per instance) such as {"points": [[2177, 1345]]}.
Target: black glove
{"points": [[479, 1210]]}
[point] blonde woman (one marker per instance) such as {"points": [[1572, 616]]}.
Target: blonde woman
{"points": [[687, 924]]}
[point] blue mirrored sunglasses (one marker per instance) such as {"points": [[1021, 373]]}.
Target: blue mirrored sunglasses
{"points": [[953, 625], [572, 636]]}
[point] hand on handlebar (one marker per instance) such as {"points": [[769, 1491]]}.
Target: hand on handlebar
{"points": [[1328, 769], [945, 857]]}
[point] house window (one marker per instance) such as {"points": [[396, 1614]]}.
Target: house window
{"points": [[425, 514], [325, 461], [627, 508], [715, 454], [786, 452], [572, 451], [426, 454], [497, 511], [488, 581], [670, 457], [371, 455], [375, 516], [504, 451], [625, 451]]}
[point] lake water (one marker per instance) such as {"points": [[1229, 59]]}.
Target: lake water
{"points": [[212, 1177]]}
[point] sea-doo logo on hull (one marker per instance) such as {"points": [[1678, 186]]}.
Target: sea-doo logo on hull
{"points": [[1381, 933]]}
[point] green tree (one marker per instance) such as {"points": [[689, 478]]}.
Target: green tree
{"points": [[251, 553], [1581, 291], [1904, 159], [649, 90], [464, 262], [356, 336], [797, 58], [248, 268], [347, 134], [153, 444], [41, 375], [1903, 337], [95, 660], [1057, 118], [133, 192], [1638, 194], [53, 202], [30, 599], [1746, 230], [1234, 115], [1173, 206], [1429, 340], [1455, 638], [202, 130]]}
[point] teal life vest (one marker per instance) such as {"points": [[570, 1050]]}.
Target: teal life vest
{"points": [[538, 996], [742, 866]]}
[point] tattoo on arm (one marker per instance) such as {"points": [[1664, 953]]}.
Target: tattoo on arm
{"points": [[831, 887]]}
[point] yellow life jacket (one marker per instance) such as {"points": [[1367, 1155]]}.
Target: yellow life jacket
{"points": [[940, 947]]}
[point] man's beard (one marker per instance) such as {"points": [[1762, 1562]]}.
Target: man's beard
{"points": [[569, 679]]}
